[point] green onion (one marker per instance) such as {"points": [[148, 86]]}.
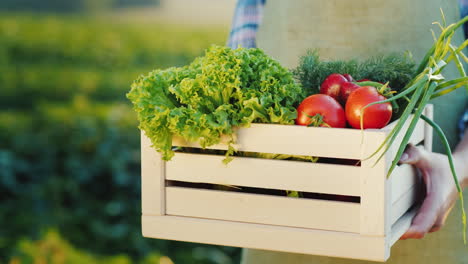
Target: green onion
{"points": [[441, 135], [429, 83]]}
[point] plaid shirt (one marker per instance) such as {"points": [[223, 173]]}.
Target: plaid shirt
{"points": [[463, 124], [464, 12], [248, 16]]}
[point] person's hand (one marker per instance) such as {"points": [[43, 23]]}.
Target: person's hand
{"points": [[441, 192]]}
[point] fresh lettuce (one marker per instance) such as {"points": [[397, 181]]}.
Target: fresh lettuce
{"points": [[225, 89]]}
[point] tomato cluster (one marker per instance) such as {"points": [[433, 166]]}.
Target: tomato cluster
{"points": [[342, 100]]}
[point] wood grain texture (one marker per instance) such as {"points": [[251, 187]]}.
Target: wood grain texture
{"points": [[403, 178], [417, 136], [276, 238], [263, 209], [374, 192], [401, 226], [152, 179], [401, 206], [265, 173], [342, 143], [428, 130]]}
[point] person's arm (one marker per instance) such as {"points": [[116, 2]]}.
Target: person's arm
{"points": [[441, 192]]}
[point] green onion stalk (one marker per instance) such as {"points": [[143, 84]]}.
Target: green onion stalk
{"points": [[429, 83]]}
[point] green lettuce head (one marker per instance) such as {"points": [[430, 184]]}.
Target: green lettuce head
{"points": [[222, 90]]}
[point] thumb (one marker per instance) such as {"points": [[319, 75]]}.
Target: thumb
{"points": [[413, 155]]}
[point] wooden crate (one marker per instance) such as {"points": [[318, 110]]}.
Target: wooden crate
{"points": [[364, 230]]}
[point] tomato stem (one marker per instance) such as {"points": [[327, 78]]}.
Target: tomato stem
{"points": [[316, 121]]}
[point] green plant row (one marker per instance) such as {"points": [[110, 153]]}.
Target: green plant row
{"points": [[25, 85], [100, 43], [69, 148], [76, 167], [52, 248]]}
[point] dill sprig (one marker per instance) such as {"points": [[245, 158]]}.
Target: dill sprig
{"points": [[397, 69]]}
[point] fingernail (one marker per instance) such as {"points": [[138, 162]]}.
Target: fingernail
{"points": [[404, 157]]}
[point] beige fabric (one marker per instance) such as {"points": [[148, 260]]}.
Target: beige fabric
{"points": [[342, 29], [361, 28], [349, 28]]}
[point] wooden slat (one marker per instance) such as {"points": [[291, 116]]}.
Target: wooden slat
{"points": [[374, 194], [402, 205], [313, 141], [275, 238], [418, 133], [403, 178], [152, 179], [264, 173], [428, 130], [299, 140], [402, 225], [263, 209], [390, 126], [417, 136]]}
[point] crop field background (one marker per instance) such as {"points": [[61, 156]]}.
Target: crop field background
{"points": [[69, 143]]}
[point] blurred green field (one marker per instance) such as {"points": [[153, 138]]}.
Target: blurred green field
{"points": [[69, 143], [56, 58]]}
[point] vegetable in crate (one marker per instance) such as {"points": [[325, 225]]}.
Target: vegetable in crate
{"points": [[348, 77], [346, 90], [320, 110], [332, 85], [359, 116], [397, 69], [339, 87], [207, 99]]}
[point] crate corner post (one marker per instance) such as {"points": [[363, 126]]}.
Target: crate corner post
{"points": [[152, 179], [428, 130], [375, 188]]}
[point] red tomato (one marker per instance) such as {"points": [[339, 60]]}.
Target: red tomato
{"points": [[324, 105], [376, 116]]}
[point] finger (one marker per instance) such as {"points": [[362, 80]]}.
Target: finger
{"points": [[440, 222], [413, 155], [435, 228], [424, 220]]}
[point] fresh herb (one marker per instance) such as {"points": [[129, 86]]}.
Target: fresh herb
{"points": [[311, 71], [397, 69]]}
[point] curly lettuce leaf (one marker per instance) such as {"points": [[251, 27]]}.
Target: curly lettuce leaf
{"points": [[207, 99]]}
